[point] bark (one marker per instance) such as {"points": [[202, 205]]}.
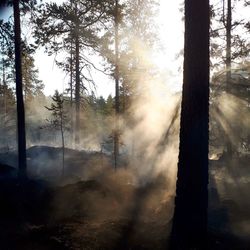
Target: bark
{"points": [[63, 144], [228, 64], [228, 38], [71, 93], [4, 93], [77, 86], [71, 76], [19, 94], [189, 229], [117, 101]]}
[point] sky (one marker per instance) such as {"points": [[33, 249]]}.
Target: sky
{"points": [[171, 35], [171, 38]]}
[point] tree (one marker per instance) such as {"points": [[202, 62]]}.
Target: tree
{"points": [[32, 85], [6, 93], [229, 43], [228, 38], [59, 25], [228, 60], [7, 116], [190, 215], [59, 119], [8, 100], [127, 52], [19, 94], [109, 107], [137, 41], [117, 102], [11, 73]]}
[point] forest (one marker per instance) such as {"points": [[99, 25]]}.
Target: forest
{"points": [[136, 143]]}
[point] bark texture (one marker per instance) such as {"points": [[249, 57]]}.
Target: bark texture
{"points": [[190, 216]]}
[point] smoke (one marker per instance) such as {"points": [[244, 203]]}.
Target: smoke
{"points": [[231, 113], [229, 175], [138, 197], [151, 150], [149, 137]]}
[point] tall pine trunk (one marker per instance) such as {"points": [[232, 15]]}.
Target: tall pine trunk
{"points": [[189, 229], [117, 101], [71, 94], [77, 86], [63, 143], [228, 65], [71, 86], [19, 94], [4, 94], [228, 38]]}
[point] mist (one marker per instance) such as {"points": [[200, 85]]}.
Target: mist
{"points": [[102, 170], [141, 191]]}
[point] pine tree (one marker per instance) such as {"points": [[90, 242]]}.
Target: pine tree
{"points": [[229, 44], [117, 94], [189, 229], [59, 120], [32, 85], [110, 106], [72, 28], [19, 94], [137, 38]]}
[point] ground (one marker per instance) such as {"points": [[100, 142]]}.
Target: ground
{"points": [[106, 210]]}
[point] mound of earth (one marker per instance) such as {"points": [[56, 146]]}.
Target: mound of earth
{"points": [[103, 208], [46, 162], [104, 214], [7, 171]]}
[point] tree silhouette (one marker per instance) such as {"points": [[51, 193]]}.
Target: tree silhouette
{"points": [[72, 27], [59, 120], [31, 84], [228, 41], [117, 102], [228, 61], [19, 93], [190, 214]]}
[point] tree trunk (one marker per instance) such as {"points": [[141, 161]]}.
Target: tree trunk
{"points": [[19, 94], [4, 94], [117, 106], [228, 64], [71, 75], [77, 87], [71, 94], [228, 37], [189, 229], [71, 86], [63, 145]]}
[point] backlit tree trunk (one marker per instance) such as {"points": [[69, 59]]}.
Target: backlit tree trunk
{"points": [[228, 64], [117, 101], [190, 215], [19, 94], [228, 37], [77, 85]]}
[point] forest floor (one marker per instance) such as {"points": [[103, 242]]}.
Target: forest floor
{"points": [[105, 210]]}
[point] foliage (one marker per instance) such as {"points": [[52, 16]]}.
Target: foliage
{"points": [[33, 87], [137, 37], [239, 40], [58, 25], [59, 118]]}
